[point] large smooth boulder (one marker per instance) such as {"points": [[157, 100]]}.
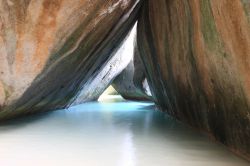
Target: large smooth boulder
{"points": [[197, 57], [49, 49], [132, 83]]}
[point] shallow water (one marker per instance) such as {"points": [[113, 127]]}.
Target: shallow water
{"points": [[108, 134]]}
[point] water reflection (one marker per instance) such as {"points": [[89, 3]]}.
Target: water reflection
{"points": [[108, 134]]}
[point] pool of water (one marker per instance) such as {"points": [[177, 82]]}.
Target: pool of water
{"points": [[108, 133]]}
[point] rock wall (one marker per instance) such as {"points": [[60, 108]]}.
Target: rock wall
{"points": [[97, 84], [197, 57], [132, 82], [50, 48]]}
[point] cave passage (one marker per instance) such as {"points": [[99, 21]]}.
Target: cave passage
{"points": [[191, 58], [111, 132]]}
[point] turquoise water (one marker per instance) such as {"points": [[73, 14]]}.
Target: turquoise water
{"points": [[109, 133]]}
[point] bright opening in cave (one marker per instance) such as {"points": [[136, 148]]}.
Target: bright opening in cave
{"points": [[110, 94]]}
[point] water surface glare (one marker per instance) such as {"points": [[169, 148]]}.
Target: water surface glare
{"points": [[108, 134]]}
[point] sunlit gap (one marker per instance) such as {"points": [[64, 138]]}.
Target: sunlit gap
{"points": [[111, 101], [110, 95]]}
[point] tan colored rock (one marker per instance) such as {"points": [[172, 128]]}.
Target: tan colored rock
{"points": [[197, 55], [50, 48], [2, 94]]}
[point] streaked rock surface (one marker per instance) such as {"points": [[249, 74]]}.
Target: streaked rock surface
{"points": [[98, 83], [50, 48], [197, 57]]}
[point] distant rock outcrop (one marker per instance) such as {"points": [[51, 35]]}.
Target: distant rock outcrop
{"points": [[132, 82]]}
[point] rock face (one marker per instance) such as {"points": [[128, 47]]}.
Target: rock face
{"points": [[132, 83], [97, 84], [50, 48], [197, 57]]}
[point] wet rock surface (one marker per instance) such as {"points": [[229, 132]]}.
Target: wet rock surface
{"points": [[197, 57], [50, 49]]}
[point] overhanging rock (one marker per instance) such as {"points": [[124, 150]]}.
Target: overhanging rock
{"points": [[50, 49]]}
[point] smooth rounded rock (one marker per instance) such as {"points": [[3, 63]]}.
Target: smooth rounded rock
{"points": [[49, 49], [197, 58]]}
